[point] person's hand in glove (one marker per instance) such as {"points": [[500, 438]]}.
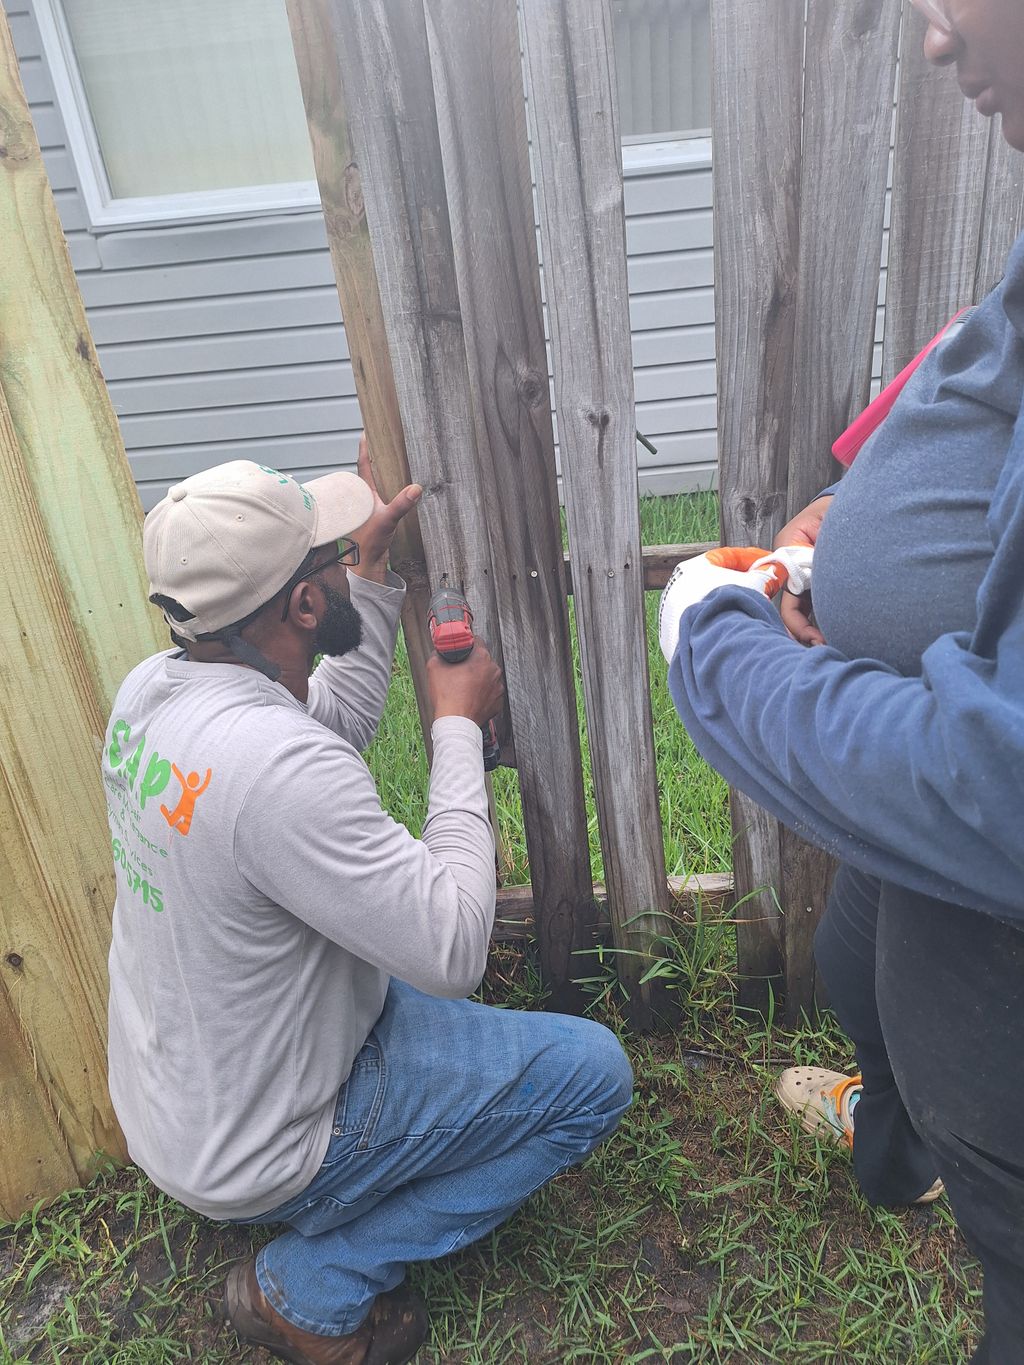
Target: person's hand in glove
{"points": [[762, 571]]}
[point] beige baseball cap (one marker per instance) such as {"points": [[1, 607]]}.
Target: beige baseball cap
{"points": [[223, 542]]}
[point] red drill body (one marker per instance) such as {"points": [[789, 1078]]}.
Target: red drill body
{"points": [[451, 625]]}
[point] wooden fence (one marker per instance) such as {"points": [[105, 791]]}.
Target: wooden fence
{"points": [[428, 154], [435, 151]]}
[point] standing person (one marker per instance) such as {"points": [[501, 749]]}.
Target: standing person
{"points": [[899, 746], [289, 1037]]}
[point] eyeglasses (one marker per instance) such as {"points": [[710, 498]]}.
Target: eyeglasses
{"points": [[347, 553], [936, 12]]}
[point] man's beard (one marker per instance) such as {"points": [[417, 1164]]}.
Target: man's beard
{"points": [[340, 629]]}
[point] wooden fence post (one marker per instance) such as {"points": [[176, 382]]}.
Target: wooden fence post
{"points": [[352, 258], [798, 234], [757, 79], [956, 204], [381, 52], [938, 192], [73, 620], [578, 161], [849, 73], [476, 70]]}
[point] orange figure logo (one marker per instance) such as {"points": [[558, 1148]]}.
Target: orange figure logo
{"points": [[181, 817]]}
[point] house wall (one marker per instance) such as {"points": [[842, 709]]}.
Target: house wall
{"points": [[224, 340]]}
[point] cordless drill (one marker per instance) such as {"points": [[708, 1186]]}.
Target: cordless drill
{"points": [[451, 633]]}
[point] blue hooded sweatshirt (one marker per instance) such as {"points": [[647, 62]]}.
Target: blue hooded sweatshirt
{"points": [[902, 750]]}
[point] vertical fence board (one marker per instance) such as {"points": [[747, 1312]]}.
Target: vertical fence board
{"points": [[850, 72], [478, 89], [385, 71], [850, 68], [577, 152], [937, 199], [756, 69], [352, 259]]}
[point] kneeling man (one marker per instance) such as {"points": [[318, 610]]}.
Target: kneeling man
{"points": [[290, 1039]]}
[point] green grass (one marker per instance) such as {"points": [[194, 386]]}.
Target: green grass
{"points": [[693, 798], [708, 1229]]}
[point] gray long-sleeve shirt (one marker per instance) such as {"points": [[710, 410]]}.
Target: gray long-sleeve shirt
{"points": [[264, 898]]}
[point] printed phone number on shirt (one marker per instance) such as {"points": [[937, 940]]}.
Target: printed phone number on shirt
{"points": [[151, 895]]}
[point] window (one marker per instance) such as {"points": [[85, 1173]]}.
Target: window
{"points": [[180, 108], [663, 66]]}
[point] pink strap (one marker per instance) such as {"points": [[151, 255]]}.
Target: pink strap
{"points": [[856, 434]]}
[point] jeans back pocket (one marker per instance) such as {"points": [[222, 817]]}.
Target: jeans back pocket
{"points": [[360, 1101]]}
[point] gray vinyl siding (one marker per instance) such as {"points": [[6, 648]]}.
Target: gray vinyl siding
{"points": [[224, 340]]}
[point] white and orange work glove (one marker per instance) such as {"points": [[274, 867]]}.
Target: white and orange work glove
{"points": [[763, 571]]}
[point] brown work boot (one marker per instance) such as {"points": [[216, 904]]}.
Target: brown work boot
{"points": [[391, 1334]]}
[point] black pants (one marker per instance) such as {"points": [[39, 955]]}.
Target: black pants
{"points": [[933, 998]]}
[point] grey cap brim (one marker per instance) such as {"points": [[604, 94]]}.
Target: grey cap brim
{"points": [[343, 504]]}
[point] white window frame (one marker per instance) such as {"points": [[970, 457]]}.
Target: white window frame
{"points": [[105, 210], [641, 156]]}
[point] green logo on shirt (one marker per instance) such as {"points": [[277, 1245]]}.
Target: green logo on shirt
{"points": [[155, 777]]}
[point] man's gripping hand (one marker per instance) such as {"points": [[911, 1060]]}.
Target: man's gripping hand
{"points": [[376, 533], [761, 571], [473, 688]]}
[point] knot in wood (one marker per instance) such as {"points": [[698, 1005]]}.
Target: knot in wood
{"points": [[353, 189], [16, 145], [865, 18], [757, 510], [599, 419], [532, 387]]}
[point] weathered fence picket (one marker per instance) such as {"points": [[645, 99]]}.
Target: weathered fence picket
{"points": [[356, 277], [938, 197], [757, 80], [957, 204], [849, 66], [850, 62], [578, 159], [478, 90], [385, 73]]}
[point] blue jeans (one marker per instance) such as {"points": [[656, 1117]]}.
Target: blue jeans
{"points": [[454, 1113]]}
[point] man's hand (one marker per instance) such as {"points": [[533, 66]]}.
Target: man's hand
{"points": [[376, 533], [796, 611], [473, 688]]}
